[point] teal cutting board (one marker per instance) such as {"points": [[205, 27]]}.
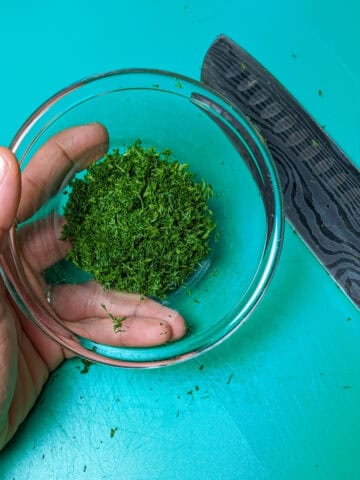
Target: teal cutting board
{"points": [[280, 399]]}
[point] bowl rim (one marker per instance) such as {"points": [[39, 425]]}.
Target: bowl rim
{"points": [[277, 213]]}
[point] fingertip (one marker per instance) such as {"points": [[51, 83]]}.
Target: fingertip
{"points": [[153, 333], [92, 138], [9, 190], [9, 167], [177, 324], [101, 132]]}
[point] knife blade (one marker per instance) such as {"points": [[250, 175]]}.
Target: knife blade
{"points": [[320, 184]]}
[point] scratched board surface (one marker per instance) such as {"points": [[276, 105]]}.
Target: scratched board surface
{"points": [[279, 397]]}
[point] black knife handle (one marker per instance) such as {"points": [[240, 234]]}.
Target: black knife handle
{"points": [[321, 186]]}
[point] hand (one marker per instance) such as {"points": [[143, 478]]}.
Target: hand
{"points": [[27, 356]]}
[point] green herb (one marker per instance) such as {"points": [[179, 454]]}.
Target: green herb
{"points": [[178, 84], [138, 221], [347, 387], [113, 431], [293, 55], [320, 93], [229, 379], [196, 300], [118, 324], [243, 66], [314, 143], [156, 85], [117, 321], [87, 365], [201, 367]]}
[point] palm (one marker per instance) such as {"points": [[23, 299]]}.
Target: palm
{"points": [[23, 369], [27, 356]]}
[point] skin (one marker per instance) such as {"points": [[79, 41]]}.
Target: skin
{"points": [[27, 356]]}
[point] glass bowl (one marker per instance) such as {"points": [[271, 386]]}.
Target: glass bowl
{"points": [[202, 129]]}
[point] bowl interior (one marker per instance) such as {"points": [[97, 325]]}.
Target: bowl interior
{"points": [[162, 111]]}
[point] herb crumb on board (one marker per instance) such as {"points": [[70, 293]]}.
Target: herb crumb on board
{"points": [[228, 381], [87, 364]]}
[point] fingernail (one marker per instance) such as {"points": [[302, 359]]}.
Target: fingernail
{"points": [[3, 168]]}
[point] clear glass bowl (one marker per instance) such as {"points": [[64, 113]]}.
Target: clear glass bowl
{"points": [[221, 146]]}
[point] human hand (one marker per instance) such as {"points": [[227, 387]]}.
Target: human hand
{"points": [[27, 355]]}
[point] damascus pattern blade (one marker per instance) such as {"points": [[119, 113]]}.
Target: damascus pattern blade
{"points": [[321, 186]]}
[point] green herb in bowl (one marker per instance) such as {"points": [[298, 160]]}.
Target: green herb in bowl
{"points": [[139, 221]]}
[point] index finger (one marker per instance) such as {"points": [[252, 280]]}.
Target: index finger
{"points": [[43, 175]]}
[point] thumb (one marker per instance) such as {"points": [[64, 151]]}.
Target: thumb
{"points": [[10, 188]]}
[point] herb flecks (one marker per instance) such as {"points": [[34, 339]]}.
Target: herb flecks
{"points": [[228, 381], [117, 321], [315, 143], [138, 221], [87, 364], [113, 431]]}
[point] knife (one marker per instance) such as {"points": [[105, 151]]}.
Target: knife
{"points": [[321, 186]]}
